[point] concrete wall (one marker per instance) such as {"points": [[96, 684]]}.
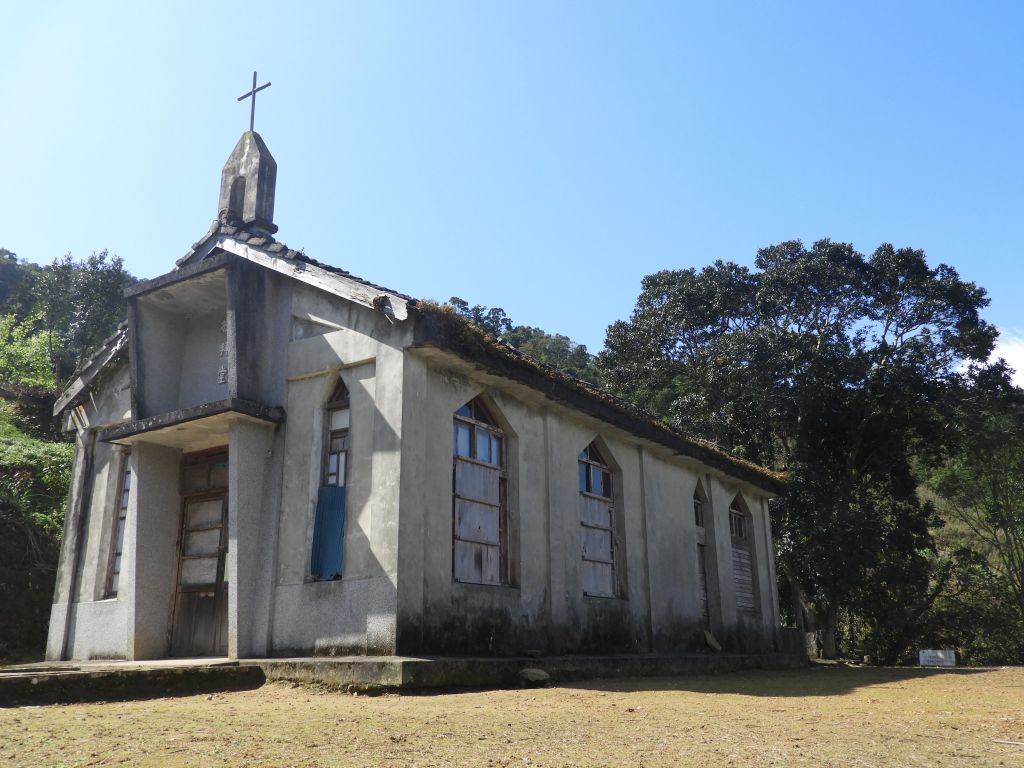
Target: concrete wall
{"points": [[287, 344], [83, 623], [204, 361], [159, 337], [355, 614], [544, 608], [151, 557]]}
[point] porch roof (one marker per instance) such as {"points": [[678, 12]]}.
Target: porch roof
{"points": [[196, 428]]}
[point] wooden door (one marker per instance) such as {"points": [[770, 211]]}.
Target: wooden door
{"points": [[200, 606]]}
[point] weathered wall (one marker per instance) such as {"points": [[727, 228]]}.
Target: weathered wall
{"points": [[82, 623], [356, 613], [544, 607], [151, 557], [287, 344], [203, 362]]}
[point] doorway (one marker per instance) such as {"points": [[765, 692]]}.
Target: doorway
{"points": [[200, 624]]}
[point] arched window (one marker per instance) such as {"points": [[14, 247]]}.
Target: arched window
{"points": [[742, 558], [329, 526], [236, 198], [479, 498], [597, 523], [338, 421], [702, 561]]}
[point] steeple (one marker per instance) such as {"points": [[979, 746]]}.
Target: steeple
{"points": [[247, 184]]}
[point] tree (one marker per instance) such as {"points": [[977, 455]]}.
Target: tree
{"points": [[982, 484], [833, 365], [80, 304], [16, 283], [555, 350], [493, 320], [24, 354]]}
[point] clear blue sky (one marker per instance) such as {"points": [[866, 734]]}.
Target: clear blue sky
{"points": [[538, 156]]}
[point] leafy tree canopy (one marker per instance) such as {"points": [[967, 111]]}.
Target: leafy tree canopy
{"points": [[555, 350], [838, 366]]}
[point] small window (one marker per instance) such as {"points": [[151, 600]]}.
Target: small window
{"points": [[338, 422], [329, 525], [698, 511], [737, 523], [117, 549], [476, 436], [479, 498], [597, 523]]}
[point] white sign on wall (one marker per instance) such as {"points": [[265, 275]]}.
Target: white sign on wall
{"points": [[936, 658]]}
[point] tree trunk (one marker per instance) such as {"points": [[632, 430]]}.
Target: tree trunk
{"points": [[828, 633]]}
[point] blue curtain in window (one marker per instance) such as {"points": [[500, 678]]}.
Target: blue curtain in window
{"points": [[329, 532]]}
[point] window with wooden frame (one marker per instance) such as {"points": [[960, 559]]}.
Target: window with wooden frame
{"points": [[480, 497], [338, 422], [597, 523], [124, 485], [329, 525], [742, 558], [702, 561]]}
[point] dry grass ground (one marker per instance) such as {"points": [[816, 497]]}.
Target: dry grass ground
{"points": [[823, 716]]}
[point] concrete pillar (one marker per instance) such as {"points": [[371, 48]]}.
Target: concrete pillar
{"points": [[150, 557], [768, 598], [61, 612], [248, 576], [721, 497]]}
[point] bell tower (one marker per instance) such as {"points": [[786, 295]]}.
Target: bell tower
{"points": [[249, 177], [247, 185]]}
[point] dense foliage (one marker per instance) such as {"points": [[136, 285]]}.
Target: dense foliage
{"points": [[845, 370], [854, 373], [50, 317], [555, 350], [33, 488]]}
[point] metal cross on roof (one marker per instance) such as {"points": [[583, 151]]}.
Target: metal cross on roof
{"points": [[252, 93]]}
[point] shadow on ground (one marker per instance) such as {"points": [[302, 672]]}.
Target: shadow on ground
{"points": [[818, 679]]}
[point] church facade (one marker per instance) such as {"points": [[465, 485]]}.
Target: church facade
{"points": [[274, 457]]}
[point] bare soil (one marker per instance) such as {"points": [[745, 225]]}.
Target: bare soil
{"points": [[822, 716]]}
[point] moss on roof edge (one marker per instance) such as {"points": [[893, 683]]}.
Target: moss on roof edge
{"points": [[445, 328]]}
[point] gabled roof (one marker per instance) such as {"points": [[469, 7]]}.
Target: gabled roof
{"points": [[222, 231], [439, 326], [88, 369]]}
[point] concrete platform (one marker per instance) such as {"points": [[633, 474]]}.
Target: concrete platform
{"points": [[62, 682]]}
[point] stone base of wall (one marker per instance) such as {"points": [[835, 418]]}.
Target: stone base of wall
{"points": [[109, 681], [396, 673]]}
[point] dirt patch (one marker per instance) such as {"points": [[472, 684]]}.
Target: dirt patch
{"points": [[820, 716]]}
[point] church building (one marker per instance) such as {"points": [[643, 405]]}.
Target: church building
{"points": [[275, 457]]}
